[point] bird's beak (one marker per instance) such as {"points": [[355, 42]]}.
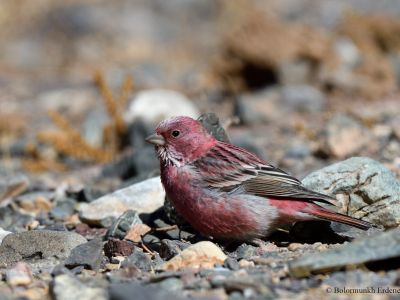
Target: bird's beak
{"points": [[156, 140]]}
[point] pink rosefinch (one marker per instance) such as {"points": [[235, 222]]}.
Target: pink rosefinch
{"points": [[226, 192]]}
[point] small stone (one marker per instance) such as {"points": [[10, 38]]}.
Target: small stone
{"points": [[374, 192], [122, 225], [171, 248], [295, 246], [12, 185], [143, 197], [171, 284], [33, 225], [231, 264], [66, 287], [303, 98], [63, 210], [20, 274], [245, 251], [259, 107], [136, 232], [346, 136], [89, 232], [244, 263], [34, 202], [112, 267], [139, 260], [200, 255], [88, 255], [115, 247], [126, 291], [164, 104], [13, 220], [3, 234], [376, 248], [37, 243]]}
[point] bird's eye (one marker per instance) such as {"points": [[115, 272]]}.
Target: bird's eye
{"points": [[175, 133]]}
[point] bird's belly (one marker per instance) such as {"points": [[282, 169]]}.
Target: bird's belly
{"points": [[223, 216]]}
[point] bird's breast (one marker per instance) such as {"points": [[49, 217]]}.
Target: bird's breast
{"points": [[216, 213]]}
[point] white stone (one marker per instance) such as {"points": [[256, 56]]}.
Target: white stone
{"points": [[153, 106], [3, 234], [144, 197]]}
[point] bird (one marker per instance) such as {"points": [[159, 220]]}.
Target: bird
{"points": [[226, 192]]}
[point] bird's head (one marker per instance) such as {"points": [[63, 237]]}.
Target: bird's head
{"points": [[181, 140]]}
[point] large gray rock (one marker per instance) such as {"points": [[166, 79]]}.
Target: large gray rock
{"points": [[143, 197], [385, 245], [37, 244], [369, 190]]}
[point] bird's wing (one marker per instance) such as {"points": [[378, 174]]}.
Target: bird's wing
{"points": [[227, 167]]}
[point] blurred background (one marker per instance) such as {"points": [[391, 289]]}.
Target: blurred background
{"points": [[301, 82]]}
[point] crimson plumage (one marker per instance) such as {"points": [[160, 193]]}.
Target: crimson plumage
{"points": [[226, 192]]}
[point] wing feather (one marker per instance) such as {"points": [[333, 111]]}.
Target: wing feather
{"points": [[228, 167]]}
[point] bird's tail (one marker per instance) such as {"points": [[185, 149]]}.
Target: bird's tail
{"points": [[327, 215]]}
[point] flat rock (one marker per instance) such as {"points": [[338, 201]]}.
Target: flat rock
{"points": [[37, 244], [369, 191], [200, 255], [143, 197], [385, 245]]}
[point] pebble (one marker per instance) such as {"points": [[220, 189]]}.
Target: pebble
{"points": [[256, 108], [126, 291], [139, 260], [90, 232], [67, 287], [12, 184], [346, 136], [63, 210], [123, 224], [295, 246], [143, 197], [244, 263], [171, 248], [303, 98], [20, 274], [37, 244], [164, 104], [116, 247], [200, 255], [3, 234], [231, 264], [88, 255], [136, 232], [34, 202]]}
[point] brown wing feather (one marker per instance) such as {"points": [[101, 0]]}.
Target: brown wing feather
{"points": [[228, 167]]}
